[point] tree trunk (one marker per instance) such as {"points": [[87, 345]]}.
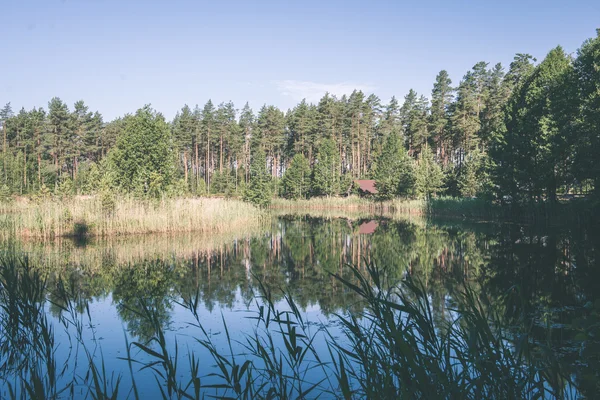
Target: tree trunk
{"points": [[4, 151], [75, 168], [197, 167], [236, 173], [185, 167], [221, 154], [25, 168], [207, 161]]}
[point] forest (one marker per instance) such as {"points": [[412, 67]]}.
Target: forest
{"points": [[524, 134]]}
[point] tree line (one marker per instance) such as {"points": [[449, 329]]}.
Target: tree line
{"points": [[525, 134]]}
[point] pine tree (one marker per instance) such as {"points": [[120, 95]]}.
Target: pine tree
{"points": [[38, 120], [60, 130], [492, 117], [471, 176], [414, 115], [502, 141], [302, 123], [271, 136], [539, 124], [587, 72], [439, 119], [208, 132], [183, 132], [246, 124], [81, 120], [406, 115], [325, 176], [5, 114], [258, 190], [226, 126], [296, 180], [391, 118], [394, 173], [331, 123], [465, 117], [5, 194], [429, 177]]}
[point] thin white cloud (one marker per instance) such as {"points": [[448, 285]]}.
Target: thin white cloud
{"points": [[313, 91]]}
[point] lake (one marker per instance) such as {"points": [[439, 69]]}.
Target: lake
{"points": [[99, 295]]}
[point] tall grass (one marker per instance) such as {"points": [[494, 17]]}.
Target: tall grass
{"points": [[578, 210], [349, 202], [32, 364], [394, 349], [95, 216], [466, 207], [55, 255], [352, 203]]}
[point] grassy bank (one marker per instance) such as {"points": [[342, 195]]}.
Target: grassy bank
{"points": [[578, 210], [95, 216], [352, 203], [448, 206]]}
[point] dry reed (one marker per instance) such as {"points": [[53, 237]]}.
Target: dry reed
{"points": [[396, 206], [90, 216]]}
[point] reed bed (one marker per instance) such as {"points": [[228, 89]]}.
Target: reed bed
{"points": [[394, 349], [408, 206], [353, 203], [350, 202], [61, 253], [95, 216], [466, 207]]}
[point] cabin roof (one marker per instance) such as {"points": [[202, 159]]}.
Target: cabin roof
{"points": [[367, 185], [366, 228]]}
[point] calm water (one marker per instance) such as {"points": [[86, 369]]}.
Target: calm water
{"points": [[553, 271]]}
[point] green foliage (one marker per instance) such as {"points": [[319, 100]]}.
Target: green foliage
{"points": [[258, 191], [537, 127], [413, 116], [347, 185], [540, 114], [90, 179], [394, 174], [108, 201], [451, 181], [586, 139], [199, 188], [44, 192], [178, 188], [473, 179], [302, 124], [295, 183], [429, 178], [5, 195], [142, 159], [325, 176], [222, 183], [64, 189], [439, 119]]}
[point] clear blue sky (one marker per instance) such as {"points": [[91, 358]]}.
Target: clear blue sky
{"points": [[118, 55]]}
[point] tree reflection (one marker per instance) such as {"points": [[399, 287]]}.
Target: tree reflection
{"points": [[146, 285], [543, 277]]}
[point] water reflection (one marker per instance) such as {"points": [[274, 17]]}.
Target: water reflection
{"points": [[545, 278]]}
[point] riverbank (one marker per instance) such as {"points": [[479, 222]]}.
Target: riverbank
{"points": [[353, 203], [575, 210], [98, 216]]}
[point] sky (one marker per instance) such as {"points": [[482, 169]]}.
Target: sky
{"points": [[118, 55]]}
